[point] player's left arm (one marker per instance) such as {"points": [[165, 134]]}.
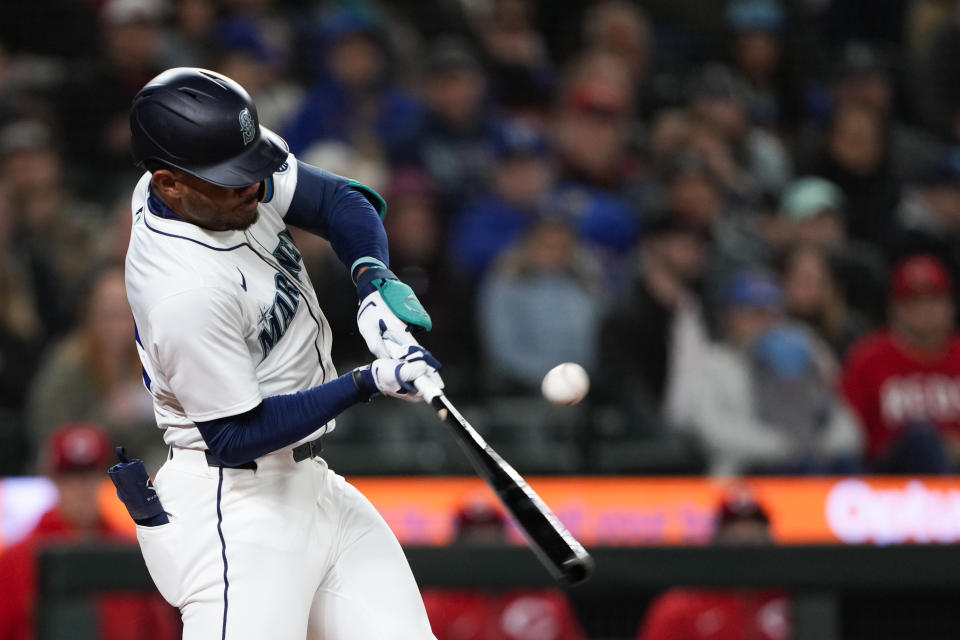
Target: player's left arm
{"points": [[349, 215]]}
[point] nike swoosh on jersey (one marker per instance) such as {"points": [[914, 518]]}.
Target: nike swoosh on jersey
{"points": [[243, 280]]}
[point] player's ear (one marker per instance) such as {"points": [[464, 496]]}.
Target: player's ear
{"points": [[165, 182]]}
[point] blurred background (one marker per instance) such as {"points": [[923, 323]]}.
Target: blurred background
{"points": [[742, 217]]}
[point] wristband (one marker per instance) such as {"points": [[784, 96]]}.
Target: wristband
{"points": [[398, 296], [363, 380], [368, 281]]}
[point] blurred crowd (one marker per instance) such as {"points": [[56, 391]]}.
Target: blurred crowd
{"points": [[741, 217]]}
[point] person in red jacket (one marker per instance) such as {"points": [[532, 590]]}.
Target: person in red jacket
{"points": [[723, 614], [76, 457], [904, 380], [516, 614]]}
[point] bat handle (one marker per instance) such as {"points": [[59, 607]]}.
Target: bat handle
{"points": [[427, 387]]}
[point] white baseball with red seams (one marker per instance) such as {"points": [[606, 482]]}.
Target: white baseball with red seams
{"points": [[566, 384]]}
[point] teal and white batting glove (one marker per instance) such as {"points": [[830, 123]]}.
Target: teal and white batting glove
{"points": [[388, 307]]}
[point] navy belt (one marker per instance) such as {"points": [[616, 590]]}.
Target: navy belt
{"points": [[304, 451]]}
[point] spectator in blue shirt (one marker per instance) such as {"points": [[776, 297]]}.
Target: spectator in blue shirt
{"points": [[353, 101], [452, 143], [540, 306], [525, 189]]}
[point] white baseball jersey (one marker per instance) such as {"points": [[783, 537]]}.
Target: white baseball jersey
{"points": [[224, 318]]}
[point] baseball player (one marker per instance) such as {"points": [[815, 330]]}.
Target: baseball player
{"points": [[262, 539]]}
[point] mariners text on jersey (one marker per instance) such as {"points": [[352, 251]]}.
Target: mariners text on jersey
{"points": [[278, 317]]}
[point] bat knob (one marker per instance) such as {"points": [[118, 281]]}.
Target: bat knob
{"points": [[577, 569]]}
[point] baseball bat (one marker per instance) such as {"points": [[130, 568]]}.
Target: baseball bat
{"points": [[563, 556]]}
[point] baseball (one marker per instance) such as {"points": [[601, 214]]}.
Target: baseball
{"points": [[566, 384]]}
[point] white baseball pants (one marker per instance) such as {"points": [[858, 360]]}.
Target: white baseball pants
{"points": [[290, 551]]}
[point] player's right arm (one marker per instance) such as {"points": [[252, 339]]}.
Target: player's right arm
{"points": [[198, 341]]}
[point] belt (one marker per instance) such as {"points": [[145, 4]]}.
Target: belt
{"points": [[310, 449], [304, 451]]}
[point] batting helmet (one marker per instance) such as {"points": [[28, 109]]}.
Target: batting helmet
{"points": [[204, 124]]}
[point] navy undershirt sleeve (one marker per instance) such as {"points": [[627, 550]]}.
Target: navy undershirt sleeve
{"points": [[327, 205], [279, 421]]}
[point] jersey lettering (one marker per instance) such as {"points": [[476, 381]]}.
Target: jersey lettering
{"points": [[287, 254], [920, 398], [275, 320]]}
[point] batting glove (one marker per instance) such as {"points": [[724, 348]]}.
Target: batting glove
{"points": [[395, 376], [388, 306]]}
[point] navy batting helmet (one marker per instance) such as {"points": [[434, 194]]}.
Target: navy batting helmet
{"points": [[204, 124]]}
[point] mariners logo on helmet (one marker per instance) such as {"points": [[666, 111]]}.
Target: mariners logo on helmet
{"points": [[247, 127]]}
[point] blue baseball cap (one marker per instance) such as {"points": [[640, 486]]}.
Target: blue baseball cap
{"points": [[755, 15], [751, 287], [348, 22], [514, 139], [245, 35]]}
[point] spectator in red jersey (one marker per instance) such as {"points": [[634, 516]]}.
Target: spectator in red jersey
{"points": [[516, 614], [723, 614], [76, 458], [904, 380]]}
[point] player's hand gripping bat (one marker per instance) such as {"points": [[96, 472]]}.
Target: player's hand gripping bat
{"points": [[557, 549]]}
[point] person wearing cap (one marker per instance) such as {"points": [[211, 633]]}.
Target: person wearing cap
{"points": [[720, 100], [928, 217], [903, 379], [811, 219], [75, 457], [592, 127], [522, 178], [509, 614], [453, 141], [724, 614], [353, 98], [246, 51], [765, 401], [864, 76], [524, 188], [812, 209], [860, 144], [758, 52]]}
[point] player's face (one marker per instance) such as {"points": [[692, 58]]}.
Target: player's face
{"points": [[924, 319], [218, 208], [207, 205]]}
